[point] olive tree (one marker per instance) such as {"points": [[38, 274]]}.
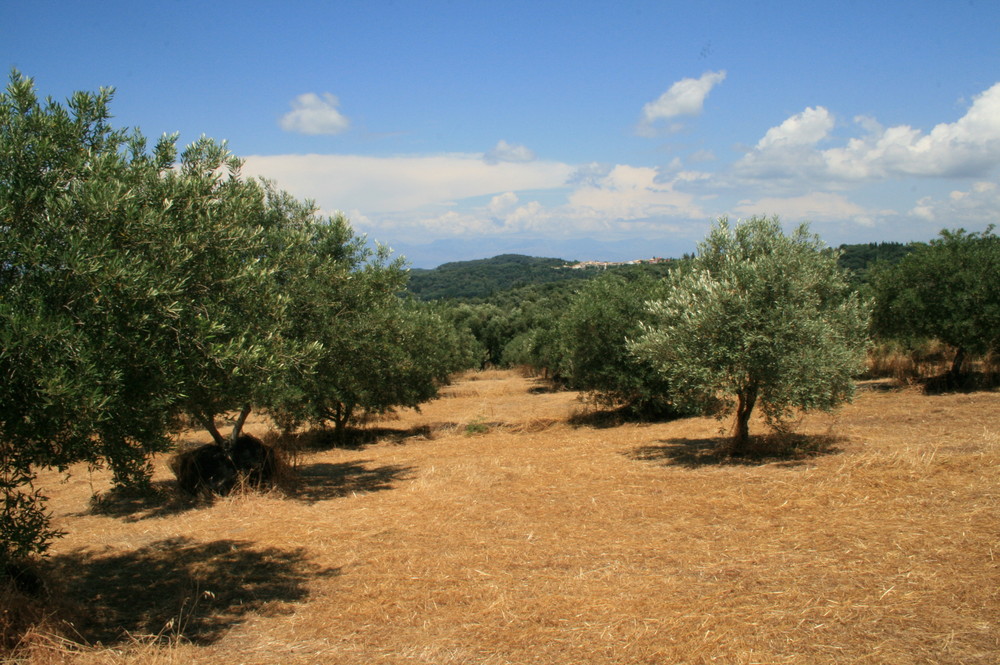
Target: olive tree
{"points": [[240, 246], [371, 349], [607, 312], [759, 318], [133, 287], [80, 306], [947, 290]]}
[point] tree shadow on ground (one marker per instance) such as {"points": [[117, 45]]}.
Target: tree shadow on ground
{"points": [[352, 438], [773, 449], [544, 386], [324, 481], [967, 382], [179, 588], [616, 417], [160, 499], [883, 385], [602, 418], [309, 483], [365, 436]]}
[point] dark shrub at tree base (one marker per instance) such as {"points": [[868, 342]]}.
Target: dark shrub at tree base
{"points": [[204, 469], [254, 460], [219, 469]]}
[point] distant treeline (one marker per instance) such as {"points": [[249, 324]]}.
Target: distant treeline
{"points": [[486, 278], [859, 258]]}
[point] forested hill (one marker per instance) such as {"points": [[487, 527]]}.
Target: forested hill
{"points": [[485, 277], [859, 258]]}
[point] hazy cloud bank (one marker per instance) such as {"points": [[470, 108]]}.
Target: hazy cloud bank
{"points": [[799, 169]]}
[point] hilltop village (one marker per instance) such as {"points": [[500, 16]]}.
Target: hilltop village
{"points": [[610, 264]]}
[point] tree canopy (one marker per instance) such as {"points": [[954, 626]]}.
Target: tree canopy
{"points": [[137, 286], [607, 312], [948, 289], [758, 317]]}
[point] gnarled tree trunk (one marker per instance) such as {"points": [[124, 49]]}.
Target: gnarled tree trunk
{"points": [[955, 372], [747, 399], [238, 425], [208, 422]]}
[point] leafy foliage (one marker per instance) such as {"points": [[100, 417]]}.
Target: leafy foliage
{"points": [[376, 351], [135, 288], [508, 327], [760, 316], [606, 313], [79, 308], [947, 290]]}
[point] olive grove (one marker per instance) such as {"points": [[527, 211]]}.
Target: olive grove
{"points": [[139, 286]]}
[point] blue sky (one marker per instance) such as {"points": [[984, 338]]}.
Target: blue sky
{"points": [[580, 130]]}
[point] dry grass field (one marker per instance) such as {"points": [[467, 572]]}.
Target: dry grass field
{"points": [[504, 524]]}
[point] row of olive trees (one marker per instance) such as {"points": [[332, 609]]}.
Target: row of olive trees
{"points": [[758, 317], [138, 287]]}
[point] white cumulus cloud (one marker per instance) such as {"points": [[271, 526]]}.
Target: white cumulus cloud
{"points": [[968, 147], [632, 192], [503, 202], [685, 97], [790, 152], [419, 198], [975, 207], [806, 128], [315, 114]]}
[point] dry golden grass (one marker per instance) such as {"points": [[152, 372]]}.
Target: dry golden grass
{"points": [[488, 529], [928, 361]]}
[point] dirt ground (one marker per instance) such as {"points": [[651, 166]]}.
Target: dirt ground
{"points": [[506, 523]]}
